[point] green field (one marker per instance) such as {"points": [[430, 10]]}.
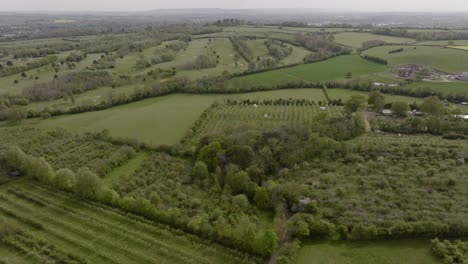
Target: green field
{"points": [[332, 69], [444, 43], [444, 87], [382, 252], [94, 233], [162, 120], [444, 59], [459, 47], [92, 97], [259, 49], [222, 46], [355, 40], [225, 117], [346, 94], [45, 73]]}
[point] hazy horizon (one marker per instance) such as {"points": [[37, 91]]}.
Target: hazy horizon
{"points": [[147, 5]]}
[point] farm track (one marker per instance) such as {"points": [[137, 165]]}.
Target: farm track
{"points": [[104, 235]]}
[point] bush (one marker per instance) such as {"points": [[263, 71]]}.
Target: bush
{"points": [[87, 184]]}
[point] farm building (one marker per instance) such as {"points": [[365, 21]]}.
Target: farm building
{"points": [[387, 112], [463, 76]]}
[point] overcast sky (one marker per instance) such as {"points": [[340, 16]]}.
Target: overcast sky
{"points": [[141, 5]]}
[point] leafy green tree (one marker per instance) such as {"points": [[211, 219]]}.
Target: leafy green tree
{"points": [[155, 198], [242, 156], [433, 106], [262, 198], [240, 183], [15, 159], [400, 108], [108, 196], [266, 242], [377, 100], [200, 170], [87, 184], [41, 170], [209, 155], [355, 103], [240, 201], [298, 228]]}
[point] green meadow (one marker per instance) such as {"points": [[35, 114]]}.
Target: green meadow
{"points": [[382, 252], [355, 39], [444, 59], [331, 69]]}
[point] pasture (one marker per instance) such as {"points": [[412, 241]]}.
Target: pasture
{"points": [[204, 46], [444, 43], [92, 233], [388, 252], [444, 87], [44, 74], [162, 120], [443, 59], [345, 94], [259, 49], [355, 39], [459, 47], [331, 69], [92, 97]]}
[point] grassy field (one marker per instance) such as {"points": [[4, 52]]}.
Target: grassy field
{"points": [[444, 87], [332, 69], [123, 172], [459, 47], [444, 42], [355, 39], [45, 74], [95, 233], [92, 97], [383, 252], [162, 120], [448, 60], [259, 49], [223, 48], [346, 94]]}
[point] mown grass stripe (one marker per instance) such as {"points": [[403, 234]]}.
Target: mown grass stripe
{"points": [[138, 240]]}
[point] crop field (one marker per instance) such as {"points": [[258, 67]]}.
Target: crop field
{"points": [[331, 69], [388, 252], [60, 225], [447, 60], [225, 116], [162, 120], [355, 40]]}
